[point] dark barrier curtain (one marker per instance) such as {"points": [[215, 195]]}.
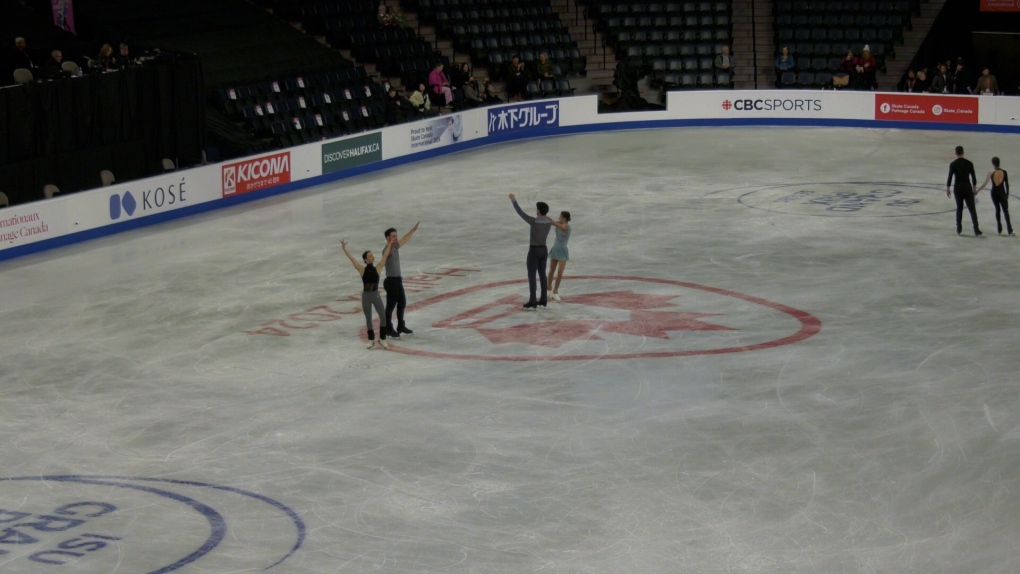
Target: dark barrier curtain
{"points": [[64, 132]]}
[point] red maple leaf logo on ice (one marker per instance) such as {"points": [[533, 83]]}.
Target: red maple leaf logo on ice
{"points": [[643, 321]]}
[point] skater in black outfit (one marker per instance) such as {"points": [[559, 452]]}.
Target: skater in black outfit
{"points": [[537, 251], [370, 291], [1000, 194], [963, 190]]}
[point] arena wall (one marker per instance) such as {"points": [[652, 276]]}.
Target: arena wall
{"points": [[42, 225]]}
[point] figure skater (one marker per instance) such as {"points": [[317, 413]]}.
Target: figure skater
{"points": [[394, 284], [963, 190], [559, 255], [537, 250], [370, 293], [1000, 194]]}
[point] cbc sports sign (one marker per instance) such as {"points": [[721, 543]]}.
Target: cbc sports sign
{"points": [[735, 105]]}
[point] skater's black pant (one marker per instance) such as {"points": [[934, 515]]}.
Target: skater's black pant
{"points": [[1000, 200], [965, 196], [537, 255], [395, 298]]}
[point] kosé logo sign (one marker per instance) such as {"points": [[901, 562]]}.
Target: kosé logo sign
{"points": [[255, 174], [164, 195]]}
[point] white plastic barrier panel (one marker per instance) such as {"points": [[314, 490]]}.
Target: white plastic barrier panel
{"points": [[771, 104], [142, 198], [25, 224]]}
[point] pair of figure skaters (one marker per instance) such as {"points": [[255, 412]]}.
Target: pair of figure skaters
{"points": [[396, 299], [964, 190]]}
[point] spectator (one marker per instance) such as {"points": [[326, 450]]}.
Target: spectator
{"points": [[460, 74], [784, 63], [420, 100], [986, 84], [440, 84], [516, 79], [124, 58], [488, 95], [52, 67], [922, 79], [397, 108], [397, 17], [383, 16], [20, 57], [866, 73], [909, 83], [844, 73], [544, 67], [961, 78], [471, 93], [723, 61], [106, 61], [940, 83]]}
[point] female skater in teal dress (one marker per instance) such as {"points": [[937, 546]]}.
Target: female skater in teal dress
{"points": [[559, 255]]}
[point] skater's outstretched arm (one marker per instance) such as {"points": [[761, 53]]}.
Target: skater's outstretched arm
{"points": [[407, 236], [561, 226], [524, 216], [385, 256], [358, 266]]}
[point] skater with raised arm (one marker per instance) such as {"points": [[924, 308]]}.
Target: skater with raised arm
{"points": [[370, 291], [394, 284], [537, 250]]}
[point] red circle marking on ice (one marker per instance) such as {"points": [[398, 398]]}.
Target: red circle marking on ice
{"points": [[809, 325]]}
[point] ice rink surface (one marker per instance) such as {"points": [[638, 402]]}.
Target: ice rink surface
{"points": [[774, 354]]}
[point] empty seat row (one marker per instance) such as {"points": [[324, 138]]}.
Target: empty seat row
{"points": [[607, 8], [838, 7], [833, 49], [690, 81]]}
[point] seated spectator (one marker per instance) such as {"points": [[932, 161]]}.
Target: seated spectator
{"points": [[866, 71], [940, 83], [516, 79], [53, 67], [723, 61], [544, 68], [460, 74], [986, 84], [420, 100], [124, 58], [784, 63], [472, 95], [488, 95], [909, 83], [383, 17], [106, 61], [440, 84], [19, 58], [398, 108]]}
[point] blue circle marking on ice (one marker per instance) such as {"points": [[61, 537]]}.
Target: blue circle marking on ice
{"points": [[845, 199], [217, 524]]}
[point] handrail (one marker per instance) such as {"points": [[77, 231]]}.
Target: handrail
{"points": [[754, 42]]}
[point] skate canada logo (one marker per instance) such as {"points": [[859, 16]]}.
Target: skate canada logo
{"points": [[121, 523], [255, 174], [163, 196], [604, 317], [927, 108]]}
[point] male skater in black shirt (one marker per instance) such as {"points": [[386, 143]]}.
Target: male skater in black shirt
{"points": [[963, 190]]}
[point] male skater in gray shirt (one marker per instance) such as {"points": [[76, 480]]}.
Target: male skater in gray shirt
{"points": [[537, 252], [394, 285]]}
